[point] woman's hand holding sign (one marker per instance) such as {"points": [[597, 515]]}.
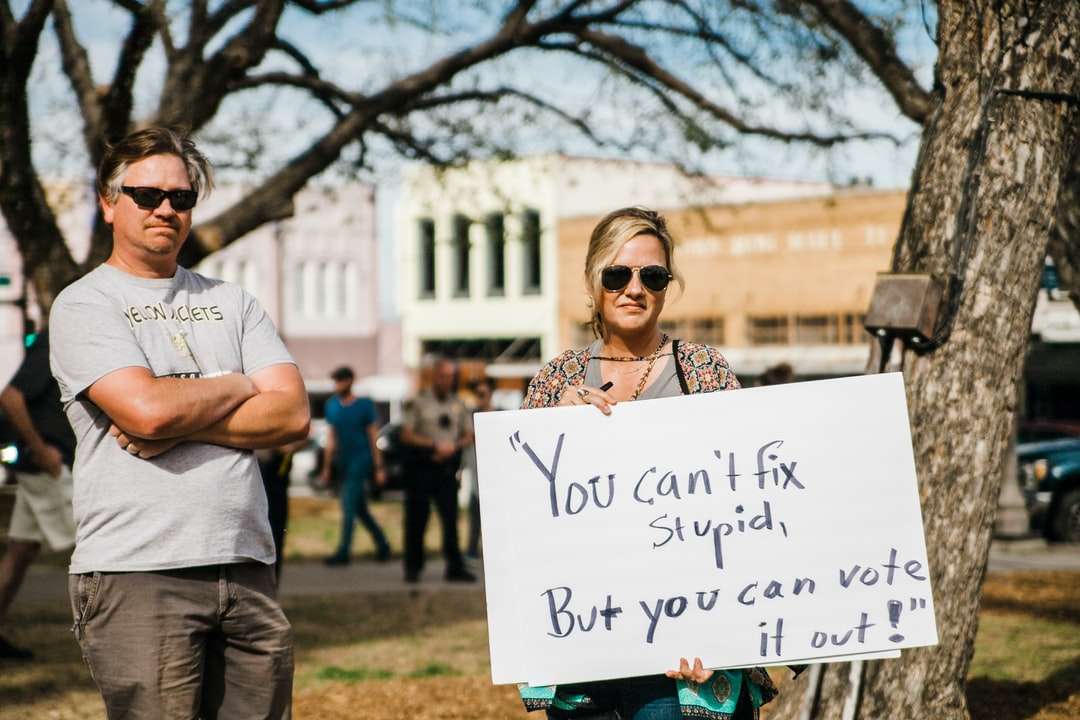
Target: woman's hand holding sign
{"points": [[696, 674], [585, 395]]}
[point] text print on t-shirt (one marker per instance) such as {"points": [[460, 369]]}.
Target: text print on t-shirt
{"points": [[159, 311]]}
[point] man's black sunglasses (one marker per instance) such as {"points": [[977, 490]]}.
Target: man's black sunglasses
{"points": [[149, 198], [616, 277]]}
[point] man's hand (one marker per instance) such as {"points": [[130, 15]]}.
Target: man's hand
{"points": [[324, 476], [48, 458], [140, 447], [444, 450], [380, 476]]}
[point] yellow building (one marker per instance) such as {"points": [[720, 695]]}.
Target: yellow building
{"points": [[769, 282]]}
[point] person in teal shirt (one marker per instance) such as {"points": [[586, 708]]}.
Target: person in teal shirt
{"points": [[352, 426]]}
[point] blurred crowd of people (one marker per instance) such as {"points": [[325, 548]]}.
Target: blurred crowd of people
{"points": [[434, 468]]}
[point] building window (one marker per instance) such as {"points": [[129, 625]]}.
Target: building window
{"points": [[767, 330], [530, 242], [427, 258], [488, 350], [332, 283], [817, 329], [461, 255], [311, 285], [708, 331], [675, 328], [297, 277], [350, 290], [852, 331], [249, 277], [228, 271], [322, 276], [496, 254]]}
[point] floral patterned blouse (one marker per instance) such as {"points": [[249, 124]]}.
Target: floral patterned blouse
{"points": [[700, 368]]}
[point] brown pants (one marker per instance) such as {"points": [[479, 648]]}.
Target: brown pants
{"points": [[206, 642]]}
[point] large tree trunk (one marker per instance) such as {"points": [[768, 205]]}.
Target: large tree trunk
{"points": [[47, 263], [981, 206]]}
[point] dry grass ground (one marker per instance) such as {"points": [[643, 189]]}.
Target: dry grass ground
{"points": [[424, 655], [315, 524]]}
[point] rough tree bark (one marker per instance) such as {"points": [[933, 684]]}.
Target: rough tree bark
{"points": [[996, 150], [1065, 236], [22, 198]]}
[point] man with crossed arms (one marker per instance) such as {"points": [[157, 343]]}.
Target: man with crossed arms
{"points": [[169, 380]]}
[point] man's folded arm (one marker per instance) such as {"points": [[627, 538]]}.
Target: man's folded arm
{"points": [[278, 414], [158, 408]]}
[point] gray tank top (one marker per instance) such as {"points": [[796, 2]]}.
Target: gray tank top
{"points": [[666, 385]]}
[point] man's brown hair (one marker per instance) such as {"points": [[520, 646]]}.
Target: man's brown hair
{"points": [[145, 143]]}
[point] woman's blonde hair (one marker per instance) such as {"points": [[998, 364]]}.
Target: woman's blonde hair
{"points": [[607, 238]]}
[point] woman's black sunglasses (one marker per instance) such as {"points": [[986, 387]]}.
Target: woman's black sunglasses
{"points": [[149, 198], [616, 277]]}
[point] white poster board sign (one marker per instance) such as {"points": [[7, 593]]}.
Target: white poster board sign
{"points": [[750, 527]]}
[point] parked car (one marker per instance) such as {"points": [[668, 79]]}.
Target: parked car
{"points": [[1050, 479]]}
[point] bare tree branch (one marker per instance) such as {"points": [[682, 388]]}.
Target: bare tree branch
{"points": [[132, 6], [296, 54], [516, 14], [413, 147], [76, 65], [704, 31], [636, 57], [248, 213], [494, 96], [214, 22], [26, 33], [878, 51], [7, 22], [194, 90], [317, 7], [118, 101], [326, 92], [692, 129], [47, 262]]}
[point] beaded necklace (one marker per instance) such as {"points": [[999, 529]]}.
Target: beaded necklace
{"points": [[650, 358]]}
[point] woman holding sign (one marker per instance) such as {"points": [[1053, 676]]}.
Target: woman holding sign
{"points": [[628, 268]]}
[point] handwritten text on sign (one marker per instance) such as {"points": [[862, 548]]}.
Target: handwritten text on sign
{"points": [[747, 527]]}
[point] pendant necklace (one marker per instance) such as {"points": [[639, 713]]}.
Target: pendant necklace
{"points": [[650, 358]]}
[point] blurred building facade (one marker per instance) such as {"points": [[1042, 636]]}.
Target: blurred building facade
{"points": [[774, 281], [483, 276], [315, 273]]}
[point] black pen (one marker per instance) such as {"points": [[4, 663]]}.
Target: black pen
{"points": [[607, 386]]}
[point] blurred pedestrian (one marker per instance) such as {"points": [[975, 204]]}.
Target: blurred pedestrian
{"points": [[437, 426], [482, 392], [42, 512], [275, 466], [779, 374], [352, 429]]}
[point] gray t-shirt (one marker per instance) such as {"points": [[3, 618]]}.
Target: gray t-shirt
{"points": [[197, 504]]}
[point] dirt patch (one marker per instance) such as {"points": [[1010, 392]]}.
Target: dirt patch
{"points": [[1054, 595]]}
